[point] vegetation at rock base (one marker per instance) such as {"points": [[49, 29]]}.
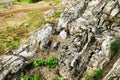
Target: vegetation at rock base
{"points": [[38, 62], [32, 77], [50, 62], [57, 14], [96, 74], [114, 47], [11, 43]]}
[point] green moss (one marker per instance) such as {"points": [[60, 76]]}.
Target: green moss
{"points": [[96, 74], [114, 47]]}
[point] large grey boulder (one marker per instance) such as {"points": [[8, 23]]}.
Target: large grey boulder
{"points": [[10, 64]]}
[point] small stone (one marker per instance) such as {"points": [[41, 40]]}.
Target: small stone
{"points": [[63, 34], [118, 22], [55, 46], [49, 13], [16, 65], [65, 47], [109, 6], [114, 12], [45, 44]]}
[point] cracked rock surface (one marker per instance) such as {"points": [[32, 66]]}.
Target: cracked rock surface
{"points": [[80, 40]]}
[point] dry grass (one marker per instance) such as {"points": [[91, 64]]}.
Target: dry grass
{"points": [[20, 21]]}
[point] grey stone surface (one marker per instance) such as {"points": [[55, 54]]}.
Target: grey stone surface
{"points": [[86, 29], [63, 34]]}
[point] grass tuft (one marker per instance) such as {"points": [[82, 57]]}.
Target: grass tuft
{"points": [[51, 62], [96, 74], [114, 47]]}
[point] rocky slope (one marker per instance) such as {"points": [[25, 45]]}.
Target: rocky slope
{"points": [[80, 40]]}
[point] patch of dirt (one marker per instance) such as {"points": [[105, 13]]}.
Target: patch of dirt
{"points": [[21, 20], [41, 6]]}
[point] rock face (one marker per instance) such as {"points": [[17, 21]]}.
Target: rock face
{"points": [[114, 73], [81, 41]]}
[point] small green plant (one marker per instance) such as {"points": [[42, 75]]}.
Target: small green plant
{"points": [[114, 47], [22, 76], [10, 28], [56, 78], [3, 35], [51, 62], [57, 14], [32, 77], [88, 77], [12, 43], [46, 21], [38, 62], [4, 4], [96, 74]]}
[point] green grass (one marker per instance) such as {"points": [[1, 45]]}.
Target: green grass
{"points": [[2, 5], [10, 32], [36, 20], [32, 77], [57, 14], [114, 47], [50, 62], [38, 62], [11, 43], [96, 74], [10, 28]]}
